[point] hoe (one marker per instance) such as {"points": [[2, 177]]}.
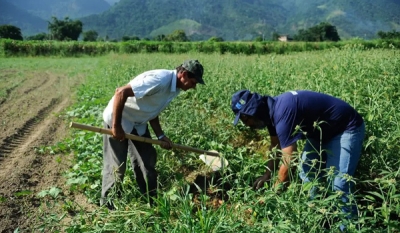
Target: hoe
{"points": [[211, 158]]}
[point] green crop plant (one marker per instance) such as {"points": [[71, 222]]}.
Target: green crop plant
{"points": [[366, 77]]}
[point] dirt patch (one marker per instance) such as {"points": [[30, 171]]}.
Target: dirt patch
{"points": [[29, 108]]}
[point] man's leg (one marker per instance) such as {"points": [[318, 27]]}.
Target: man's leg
{"points": [[114, 164], [312, 163], [344, 154], [144, 162]]}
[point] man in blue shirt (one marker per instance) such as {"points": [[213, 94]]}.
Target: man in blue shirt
{"points": [[132, 108], [334, 133]]}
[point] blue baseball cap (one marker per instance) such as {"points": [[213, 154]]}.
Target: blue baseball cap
{"points": [[245, 102]]}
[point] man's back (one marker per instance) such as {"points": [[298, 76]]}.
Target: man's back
{"points": [[308, 109]]}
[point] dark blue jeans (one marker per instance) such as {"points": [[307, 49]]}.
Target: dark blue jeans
{"points": [[341, 155]]}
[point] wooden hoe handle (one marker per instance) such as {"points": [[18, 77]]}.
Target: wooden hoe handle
{"points": [[140, 139]]}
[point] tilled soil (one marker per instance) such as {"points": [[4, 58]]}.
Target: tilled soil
{"points": [[30, 104]]}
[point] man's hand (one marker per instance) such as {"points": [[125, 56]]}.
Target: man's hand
{"points": [[167, 143], [259, 183], [118, 133], [280, 187]]}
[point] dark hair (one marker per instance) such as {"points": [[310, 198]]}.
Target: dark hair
{"points": [[180, 69]]}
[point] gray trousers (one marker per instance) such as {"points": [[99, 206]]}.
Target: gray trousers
{"points": [[143, 157]]}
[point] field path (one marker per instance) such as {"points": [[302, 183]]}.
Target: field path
{"points": [[29, 108]]}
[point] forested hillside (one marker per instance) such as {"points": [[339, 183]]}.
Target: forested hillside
{"points": [[352, 18], [202, 19], [62, 8], [244, 19], [232, 19], [29, 24], [112, 2]]}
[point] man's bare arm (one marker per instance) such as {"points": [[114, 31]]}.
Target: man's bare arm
{"points": [[272, 164], [156, 126], [287, 155], [120, 97]]}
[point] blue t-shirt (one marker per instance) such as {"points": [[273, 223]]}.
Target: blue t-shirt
{"points": [[306, 108]]}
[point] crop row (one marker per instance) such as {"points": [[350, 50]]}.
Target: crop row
{"points": [[74, 48]]}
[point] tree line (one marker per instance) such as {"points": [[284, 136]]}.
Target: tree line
{"points": [[389, 35], [68, 29]]}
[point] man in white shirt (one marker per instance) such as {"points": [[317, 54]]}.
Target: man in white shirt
{"points": [[129, 111]]}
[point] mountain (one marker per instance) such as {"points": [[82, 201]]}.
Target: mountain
{"points": [[32, 16], [202, 19], [230, 19], [244, 19], [112, 2], [351, 17], [29, 24], [61, 8]]}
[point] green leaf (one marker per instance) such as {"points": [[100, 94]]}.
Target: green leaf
{"points": [[377, 194], [369, 197], [54, 191], [174, 197], [43, 193], [79, 180], [307, 186], [23, 193]]}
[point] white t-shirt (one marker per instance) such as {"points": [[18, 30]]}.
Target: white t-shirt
{"points": [[153, 90]]}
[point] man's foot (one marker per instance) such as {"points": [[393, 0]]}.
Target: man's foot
{"points": [[110, 206]]}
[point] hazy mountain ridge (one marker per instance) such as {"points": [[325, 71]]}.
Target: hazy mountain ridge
{"points": [[141, 18], [352, 18], [112, 2], [201, 19], [62, 8], [29, 24], [246, 19]]}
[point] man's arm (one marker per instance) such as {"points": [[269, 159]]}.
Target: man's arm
{"points": [[156, 126], [271, 165], [287, 155], [120, 97]]}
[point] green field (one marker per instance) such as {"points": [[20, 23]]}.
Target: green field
{"points": [[368, 79]]}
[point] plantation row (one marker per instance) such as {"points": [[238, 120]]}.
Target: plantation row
{"points": [[73, 48], [368, 80]]}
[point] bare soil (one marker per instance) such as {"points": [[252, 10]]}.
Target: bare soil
{"points": [[30, 104]]}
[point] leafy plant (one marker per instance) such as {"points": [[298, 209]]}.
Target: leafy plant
{"points": [[52, 192], [365, 76]]}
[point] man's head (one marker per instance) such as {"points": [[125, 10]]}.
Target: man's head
{"points": [[249, 107], [190, 72], [195, 69]]}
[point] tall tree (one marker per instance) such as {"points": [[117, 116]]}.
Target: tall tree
{"points": [[389, 35], [127, 38], [321, 32], [159, 37], [329, 32], [90, 35], [39, 36], [177, 35], [66, 29], [10, 32], [216, 39]]}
